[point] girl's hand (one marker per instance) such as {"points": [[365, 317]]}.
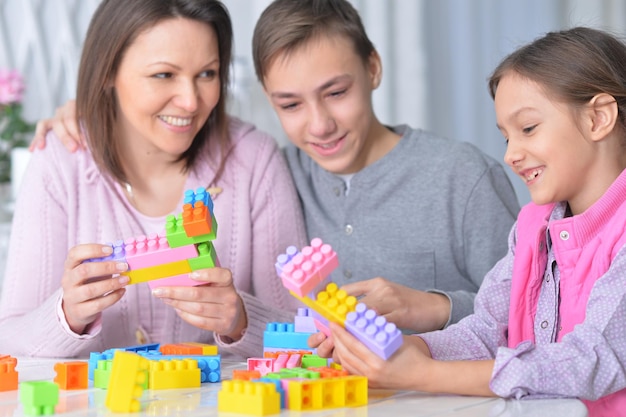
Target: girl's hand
{"points": [[407, 308], [324, 345], [64, 126], [410, 363], [89, 288], [214, 306]]}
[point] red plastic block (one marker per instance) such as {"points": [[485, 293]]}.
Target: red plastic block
{"points": [[154, 249], [71, 375], [8, 374], [306, 270], [197, 219], [374, 331]]}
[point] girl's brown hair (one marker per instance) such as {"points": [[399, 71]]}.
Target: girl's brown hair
{"points": [[573, 65], [113, 28]]}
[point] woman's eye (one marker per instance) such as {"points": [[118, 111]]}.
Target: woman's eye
{"points": [[529, 129]]}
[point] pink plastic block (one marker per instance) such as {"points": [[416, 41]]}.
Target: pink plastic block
{"points": [[374, 331], [182, 280], [322, 325], [152, 250], [303, 322], [262, 365], [307, 269], [294, 361], [281, 362]]}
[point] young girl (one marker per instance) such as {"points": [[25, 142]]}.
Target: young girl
{"points": [[152, 91], [550, 317]]}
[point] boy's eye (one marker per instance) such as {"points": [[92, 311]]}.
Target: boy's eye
{"points": [[288, 106], [337, 93]]}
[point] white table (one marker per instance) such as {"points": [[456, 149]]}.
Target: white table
{"points": [[203, 401]]}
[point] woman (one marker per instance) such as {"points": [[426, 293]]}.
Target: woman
{"points": [[151, 100]]}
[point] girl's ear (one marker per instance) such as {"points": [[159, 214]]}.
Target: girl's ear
{"points": [[375, 68], [603, 113]]}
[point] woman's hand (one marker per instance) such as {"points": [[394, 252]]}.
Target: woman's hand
{"points": [[64, 126], [89, 288], [411, 309], [213, 306]]}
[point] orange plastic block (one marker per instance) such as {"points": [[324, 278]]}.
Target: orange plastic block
{"points": [[245, 375], [197, 220], [181, 349], [277, 353], [206, 349], [246, 397], [128, 375], [8, 374], [175, 373], [326, 372], [333, 304], [71, 375]]}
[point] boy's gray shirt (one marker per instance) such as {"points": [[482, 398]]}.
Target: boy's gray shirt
{"points": [[432, 214]]}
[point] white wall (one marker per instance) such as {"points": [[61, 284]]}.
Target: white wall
{"points": [[437, 55]]}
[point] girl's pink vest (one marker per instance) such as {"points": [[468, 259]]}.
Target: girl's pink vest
{"points": [[584, 247]]}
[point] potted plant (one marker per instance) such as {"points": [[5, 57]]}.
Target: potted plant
{"points": [[15, 132]]}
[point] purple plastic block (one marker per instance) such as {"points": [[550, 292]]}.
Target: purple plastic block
{"points": [[284, 258], [380, 336], [118, 254], [303, 322]]}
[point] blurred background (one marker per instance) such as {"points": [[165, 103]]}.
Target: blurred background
{"points": [[437, 55]]}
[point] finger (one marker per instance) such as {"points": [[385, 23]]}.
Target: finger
{"points": [[352, 354], [359, 288], [326, 349], [80, 253], [81, 293], [217, 277], [315, 339], [39, 139]]}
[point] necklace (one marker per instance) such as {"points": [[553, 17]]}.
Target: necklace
{"points": [[213, 191]]}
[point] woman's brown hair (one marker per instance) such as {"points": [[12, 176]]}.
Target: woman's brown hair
{"points": [[113, 28]]}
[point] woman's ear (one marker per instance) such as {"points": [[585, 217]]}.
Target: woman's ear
{"points": [[603, 112]]}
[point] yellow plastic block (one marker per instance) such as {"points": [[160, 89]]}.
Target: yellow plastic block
{"points": [[321, 394], [159, 271], [128, 375], [175, 373], [246, 397], [332, 303]]}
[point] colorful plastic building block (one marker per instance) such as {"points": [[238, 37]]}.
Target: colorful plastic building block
{"points": [[177, 236], [246, 397], [206, 349], [315, 361], [128, 376], [282, 335], [39, 398], [332, 303], [374, 331], [245, 375], [154, 249], [95, 358], [303, 322], [8, 374], [200, 194], [175, 373], [71, 375], [327, 393], [206, 257], [102, 374], [309, 268], [210, 365], [197, 219]]}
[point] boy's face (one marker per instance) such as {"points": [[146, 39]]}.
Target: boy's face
{"points": [[322, 93]]}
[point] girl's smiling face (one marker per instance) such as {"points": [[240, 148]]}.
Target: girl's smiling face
{"points": [[547, 143]]}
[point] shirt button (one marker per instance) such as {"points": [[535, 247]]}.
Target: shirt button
{"points": [[349, 229], [347, 273], [564, 235], [548, 278], [337, 191], [544, 324]]}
